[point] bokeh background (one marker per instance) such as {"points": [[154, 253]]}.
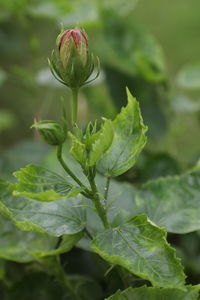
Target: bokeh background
{"points": [[153, 47]]}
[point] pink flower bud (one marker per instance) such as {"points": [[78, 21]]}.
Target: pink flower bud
{"points": [[71, 62], [67, 40]]}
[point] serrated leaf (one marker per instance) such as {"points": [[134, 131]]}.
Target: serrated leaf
{"points": [[55, 218], [38, 183], [20, 246], [141, 248], [172, 202], [152, 293], [128, 141], [77, 149], [101, 143]]}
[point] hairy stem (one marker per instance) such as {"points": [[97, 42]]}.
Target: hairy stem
{"points": [[97, 202]]}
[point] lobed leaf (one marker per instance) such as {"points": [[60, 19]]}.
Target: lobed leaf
{"points": [[41, 184], [154, 293], [141, 248], [128, 141], [55, 218], [172, 202], [20, 246]]}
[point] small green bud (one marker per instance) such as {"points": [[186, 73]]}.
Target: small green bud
{"points": [[71, 62], [51, 131]]}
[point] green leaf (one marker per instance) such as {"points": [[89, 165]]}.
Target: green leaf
{"points": [[96, 143], [20, 246], [141, 248], [101, 142], [55, 218], [152, 293], [129, 140], [172, 202], [77, 149], [189, 77], [41, 184]]}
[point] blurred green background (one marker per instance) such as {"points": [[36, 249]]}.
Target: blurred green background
{"points": [[153, 47]]}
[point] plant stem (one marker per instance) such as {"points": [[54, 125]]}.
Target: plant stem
{"points": [[107, 188], [62, 277], [97, 202], [74, 106], [69, 172]]}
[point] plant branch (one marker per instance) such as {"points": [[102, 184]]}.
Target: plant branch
{"points": [[74, 106], [85, 191], [97, 202]]}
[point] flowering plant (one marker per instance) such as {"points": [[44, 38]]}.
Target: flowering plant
{"points": [[87, 207]]}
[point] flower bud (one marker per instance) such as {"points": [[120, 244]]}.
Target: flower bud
{"points": [[51, 131], [72, 62], [70, 39]]}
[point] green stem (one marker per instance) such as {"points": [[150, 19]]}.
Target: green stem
{"points": [[74, 106], [107, 188], [69, 172], [62, 277], [97, 202]]}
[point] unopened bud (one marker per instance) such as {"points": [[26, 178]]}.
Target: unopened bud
{"points": [[67, 41], [51, 131], [72, 63]]}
